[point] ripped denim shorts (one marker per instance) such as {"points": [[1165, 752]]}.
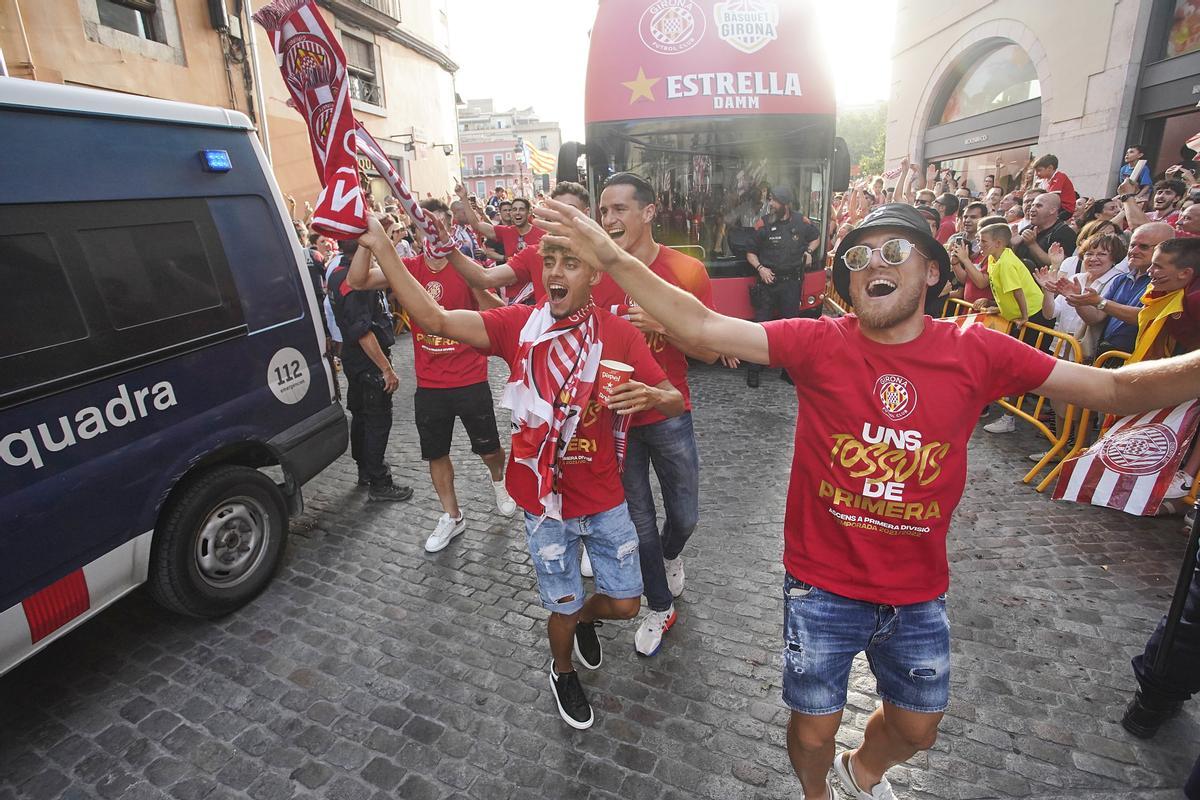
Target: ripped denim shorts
{"points": [[907, 647], [612, 544]]}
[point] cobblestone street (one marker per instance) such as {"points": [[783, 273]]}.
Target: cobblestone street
{"points": [[370, 669]]}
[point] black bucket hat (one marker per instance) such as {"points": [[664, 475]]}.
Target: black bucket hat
{"points": [[901, 216]]}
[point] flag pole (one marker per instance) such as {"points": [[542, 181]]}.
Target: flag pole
{"points": [[259, 98], [1178, 601]]}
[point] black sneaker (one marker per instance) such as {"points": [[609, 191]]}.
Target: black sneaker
{"points": [[752, 378], [1143, 719], [573, 705], [587, 645], [388, 492]]}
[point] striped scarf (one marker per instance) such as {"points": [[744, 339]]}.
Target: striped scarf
{"points": [[547, 393]]}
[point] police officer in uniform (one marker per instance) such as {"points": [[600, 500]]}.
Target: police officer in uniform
{"points": [[780, 254], [367, 334]]}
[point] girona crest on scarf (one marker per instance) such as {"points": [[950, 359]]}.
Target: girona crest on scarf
{"points": [[314, 69]]}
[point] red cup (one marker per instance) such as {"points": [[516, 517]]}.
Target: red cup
{"points": [[611, 375]]}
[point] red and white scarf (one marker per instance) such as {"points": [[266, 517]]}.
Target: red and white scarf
{"points": [[314, 69], [547, 393]]}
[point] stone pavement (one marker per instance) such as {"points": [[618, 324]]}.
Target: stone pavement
{"points": [[370, 669]]}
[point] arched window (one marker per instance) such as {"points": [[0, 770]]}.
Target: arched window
{"points": [[1002, 77]]}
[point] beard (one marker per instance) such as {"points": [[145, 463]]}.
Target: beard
{"points": [[906, 303]]}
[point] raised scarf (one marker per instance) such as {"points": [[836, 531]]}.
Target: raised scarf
{"points": [[1156, 309], [547, 392]]}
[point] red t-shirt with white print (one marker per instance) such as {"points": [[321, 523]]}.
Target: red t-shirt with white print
{"points": [[880, 456], [439, 362], [527, 266], [591, 481]]}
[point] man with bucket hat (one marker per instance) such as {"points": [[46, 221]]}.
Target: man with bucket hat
{"points": [[781, 250], [879, 465]]}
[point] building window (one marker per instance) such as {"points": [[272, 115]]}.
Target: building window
{"points": [[136, 17], [478, 162], [498, 159], [508, 156], [360, 63], [543, 143], [499, 184], [1003, 77], [480, 188]]}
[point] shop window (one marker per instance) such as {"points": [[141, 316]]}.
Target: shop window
{"points": [[360, 64], [1003, 77], [1184, 34]]}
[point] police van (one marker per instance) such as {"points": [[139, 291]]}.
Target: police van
{"points": [[164, 393]]}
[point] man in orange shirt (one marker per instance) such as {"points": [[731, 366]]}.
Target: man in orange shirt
{"points": [[627, 211]]}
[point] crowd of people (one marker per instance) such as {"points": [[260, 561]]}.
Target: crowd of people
{"points": [[596, 321]]}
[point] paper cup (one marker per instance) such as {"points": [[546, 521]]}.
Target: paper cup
{"points": [[611, 375]]}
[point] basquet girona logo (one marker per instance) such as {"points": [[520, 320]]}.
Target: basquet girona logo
{"points": [[671, 26], [897, 396], [306, 52], [1140, 450]]}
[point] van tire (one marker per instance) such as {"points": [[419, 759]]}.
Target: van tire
{"points": [[220, 541]]}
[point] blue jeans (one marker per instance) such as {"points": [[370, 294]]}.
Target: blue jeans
{"points": [[907, 647], [554, 550], [670, 445]]}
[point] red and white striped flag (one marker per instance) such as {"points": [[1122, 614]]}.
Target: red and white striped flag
{"points": [[314, 69], [1131, 466], [894, 172]]}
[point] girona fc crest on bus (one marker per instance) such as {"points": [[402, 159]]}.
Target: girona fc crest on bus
{"points": [[1139, 450], [748, 25], [435, 290], [897, 396], [671, 26]]}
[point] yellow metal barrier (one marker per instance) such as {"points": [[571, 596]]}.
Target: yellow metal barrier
{"points": [[833, 299]]}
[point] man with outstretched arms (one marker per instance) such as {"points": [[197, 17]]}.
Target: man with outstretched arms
{"points": [[878, 471], [451, 383], [564, 470], [627, 210], [513, 238]]}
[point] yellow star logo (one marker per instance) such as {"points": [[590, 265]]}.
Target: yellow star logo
{"points": [[640, 87]]}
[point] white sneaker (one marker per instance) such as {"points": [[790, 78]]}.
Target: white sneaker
{"points": [[1006, 424], [585, 564], [881, 790], [649, 634], [447, 528], [1180, 485], [504, 504], [674, 575]]}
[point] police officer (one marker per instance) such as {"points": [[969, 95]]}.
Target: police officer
{"points": [[780, 253], [367, 334]]}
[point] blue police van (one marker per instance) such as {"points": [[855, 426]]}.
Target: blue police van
{"points": [[164, 391]]}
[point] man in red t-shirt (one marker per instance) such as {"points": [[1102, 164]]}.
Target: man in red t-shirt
{"points": [[879, 466], [525, 268], [451, 383], [627, 212], [513, 239], [564, 470]]}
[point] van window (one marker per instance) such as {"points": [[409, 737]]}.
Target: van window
{"points": [[39, 308], [147, 273], [106, 287]]}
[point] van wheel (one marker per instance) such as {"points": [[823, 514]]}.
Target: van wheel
{"points": [[220, 541]]}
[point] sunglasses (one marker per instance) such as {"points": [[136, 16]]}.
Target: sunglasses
{"points": [[894, 252]]}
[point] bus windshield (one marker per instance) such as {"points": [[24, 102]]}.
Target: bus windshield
{"points": [[713, 174]]}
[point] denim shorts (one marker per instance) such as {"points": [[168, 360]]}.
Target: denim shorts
{"points": [[612, 544], [907, 647]]}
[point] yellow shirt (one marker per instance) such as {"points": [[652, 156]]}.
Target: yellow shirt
{"points": [[1007, 274]]}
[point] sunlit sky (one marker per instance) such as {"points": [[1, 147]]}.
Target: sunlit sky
{"points": [[524, 53]]}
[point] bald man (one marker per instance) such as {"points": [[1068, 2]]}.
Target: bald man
{"points": [[1047, 226]]}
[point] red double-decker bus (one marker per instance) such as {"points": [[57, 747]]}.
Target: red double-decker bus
{"points": [[714, 102]]}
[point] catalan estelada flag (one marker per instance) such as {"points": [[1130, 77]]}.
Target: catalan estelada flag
{"points": [[539, 161]]}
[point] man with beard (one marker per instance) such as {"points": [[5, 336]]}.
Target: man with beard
{"points": [[627, 212], [1168, 194], [865, 550], [780, 253], [512, 238], [564, 470]]}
